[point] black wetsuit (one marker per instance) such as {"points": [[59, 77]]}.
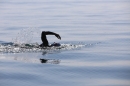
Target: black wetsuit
{"points": [[45, 42], [44, 39]]}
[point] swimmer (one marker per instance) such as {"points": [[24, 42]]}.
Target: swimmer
{"points": [[45, 42]]}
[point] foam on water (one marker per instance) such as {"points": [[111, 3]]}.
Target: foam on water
{"points": [[34, 47]]}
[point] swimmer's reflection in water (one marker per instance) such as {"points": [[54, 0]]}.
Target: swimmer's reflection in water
{"points": [[29, 60], [52, 61]]}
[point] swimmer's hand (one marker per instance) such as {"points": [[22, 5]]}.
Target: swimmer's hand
{"points": [[58, 36]]}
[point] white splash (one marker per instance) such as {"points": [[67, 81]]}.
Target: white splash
{"points": [[34, 47]]}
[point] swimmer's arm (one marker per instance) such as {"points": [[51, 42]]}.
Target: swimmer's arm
{"points": [[52, 33]]}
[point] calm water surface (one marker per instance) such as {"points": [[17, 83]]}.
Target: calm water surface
{"points": [[103, 26]]}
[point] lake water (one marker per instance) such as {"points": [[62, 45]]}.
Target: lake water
{"points": [[99, 28]]}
